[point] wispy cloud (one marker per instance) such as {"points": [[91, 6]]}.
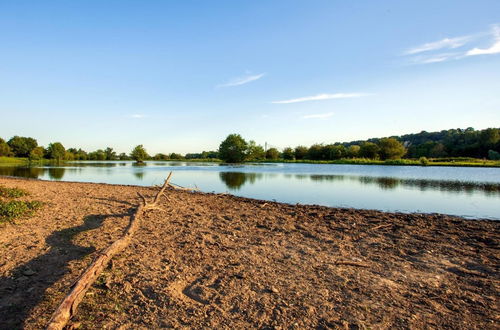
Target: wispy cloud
{"points": [[137, 116], [430, 52], [322, 97], [318, 116], [493, 49], [449, 43], [436, 58], [242, 80]]}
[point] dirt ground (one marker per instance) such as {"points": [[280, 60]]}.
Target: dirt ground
{"points": [[219, 261]]}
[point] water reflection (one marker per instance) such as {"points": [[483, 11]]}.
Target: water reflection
{"points": [[235, 180], [139, 175], [388, 183], [56, 173]]}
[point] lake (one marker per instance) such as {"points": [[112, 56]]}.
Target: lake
{"points": [[464, 191]]}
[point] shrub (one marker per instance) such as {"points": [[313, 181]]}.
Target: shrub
{"points": [[423, 161]]}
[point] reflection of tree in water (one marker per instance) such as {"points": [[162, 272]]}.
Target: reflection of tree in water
{"points": [[234, 180], [56, 173], [23, 172], [421, 184], [139, 174]]}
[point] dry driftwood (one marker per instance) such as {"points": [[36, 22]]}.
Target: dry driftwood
{"points": [[70, 303]]}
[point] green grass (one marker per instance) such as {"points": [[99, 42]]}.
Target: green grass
{"points": [[10, 210], [13, 161], [12, 192]]}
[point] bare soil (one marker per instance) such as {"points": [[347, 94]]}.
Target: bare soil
{"points": [[220, 261]]}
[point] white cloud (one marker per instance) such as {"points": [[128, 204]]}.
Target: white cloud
{"points": [[431, 56], [318, 116], [242, 80], [493, 49], [444, 43], [436, 58], [137, 116], [322, 97]]}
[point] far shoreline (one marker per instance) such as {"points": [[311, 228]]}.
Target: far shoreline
{"points": [[450, 162]]}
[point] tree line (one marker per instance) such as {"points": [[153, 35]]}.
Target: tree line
{"points": [[452, 143], [27, 147], [447, 143]]}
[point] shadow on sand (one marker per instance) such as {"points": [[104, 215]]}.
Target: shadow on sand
{"points": [[25, 288]]}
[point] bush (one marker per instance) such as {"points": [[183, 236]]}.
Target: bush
{"points": [[423, 161]]}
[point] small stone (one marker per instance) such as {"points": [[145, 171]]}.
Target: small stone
{"points": [[274, 290]]}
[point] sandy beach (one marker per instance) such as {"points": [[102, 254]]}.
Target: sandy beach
{"points": [[220, 261]]}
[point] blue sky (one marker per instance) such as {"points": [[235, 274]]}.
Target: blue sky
{"points": [[178, 76]]}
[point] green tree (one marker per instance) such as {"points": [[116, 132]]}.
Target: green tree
{"points": [[233, 149], [174, 155], [390, 148], [123, 156], [37, 153], [334, 151], [300, 152], [210, 154], [56, 151], [69, 156], [4, 148], [438, 151], [255, 151], [22, 146], [160, 156], [353, 151], [315, 152], [288, 153], [272, 153], [369, 150], [99, 154], [493, 155], [139, 154], [110, 154]]}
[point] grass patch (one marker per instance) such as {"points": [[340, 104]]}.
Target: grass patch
{"points": [[13, 161], [12, 192], [10, 210]]}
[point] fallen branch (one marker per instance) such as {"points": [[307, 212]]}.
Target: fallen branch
{"points": [[67, 308], [176, 186]]}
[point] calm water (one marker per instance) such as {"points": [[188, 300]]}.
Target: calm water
{"points": [[469, 192]]}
